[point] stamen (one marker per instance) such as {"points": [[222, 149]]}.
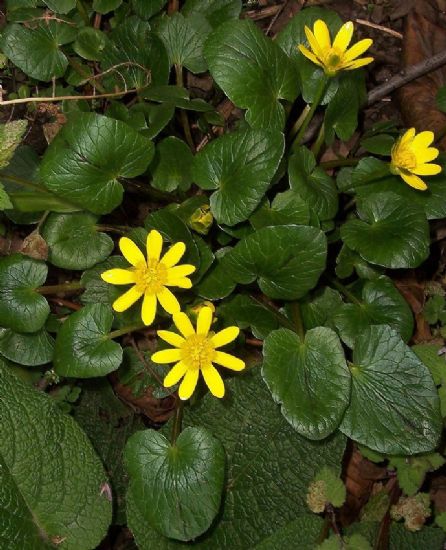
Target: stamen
{"points": [[151, 277], [197, 351]]}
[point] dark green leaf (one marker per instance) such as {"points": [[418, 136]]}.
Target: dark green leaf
{"points": [[22, 309], [319, 309], [309, 379], [172, 166], [390, 232], [52, 480], [287, 260], [105, 6], [240, 165], [394, 406], [341, 116], [5, 202], [74, 242], [378, 145], [216, 283], [90, 43], [403, 539], [252, 71], [431, 355], [215, 11], [61, 6], [286, 208], [147, 8], [83, 349], [30, 349], [306, 529], [109, 149], [441, 99], [185, 479]]}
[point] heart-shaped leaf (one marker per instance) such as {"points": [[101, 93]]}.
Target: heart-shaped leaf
{"points": [[147, 8], [61, 6], [319, 308], [394, 406], [216, 283], [22, 309], [184, 479], [83, 349], [390, 232], [172, 165], [381, 304], [215, 11], [309, 378], [287, 260], [90, 43], [287, 208], [106, 6], [36, 51], [30, 349], [52, 480], [240, 165], [74, 242], [107, 148], [238, 54]]}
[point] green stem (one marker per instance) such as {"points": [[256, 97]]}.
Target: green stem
{"points": [[83, 12], [339, 162], [345, 291], [297, 318], [125, 330], [177, 422], [183, 115], [319, 141], [283, 320], [56, 289], [317, 99], [119, 229], [299, 122]]}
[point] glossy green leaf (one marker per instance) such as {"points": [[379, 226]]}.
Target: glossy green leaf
{"points": [[83, 349], [432, 356], [184, 479], [216, 283], [390, 232], [52, 480], [238, 54], [106, 6], [22, 309], [183, 38], [378, 145], [312, 184], [61, 6], [394, 406], [245, 312], [36, 51], [147, 8], [349, 261], [269, 468], [109, 149], [319, 308], [286, 208], [309, 379], [381, 304], [137, 53], [240, 165], [341, 116], [215, 11], [74, 242], [90, 44], [286, 260], [30, 349], [171, 167]]}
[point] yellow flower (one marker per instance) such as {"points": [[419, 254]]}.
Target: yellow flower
{"points": [[411, 156], [195, 351], [336, 57], [150, 278]]}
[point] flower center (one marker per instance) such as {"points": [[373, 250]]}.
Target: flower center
{"points": [[404, 158], [332, 61], [150, 278], [197, 351]]}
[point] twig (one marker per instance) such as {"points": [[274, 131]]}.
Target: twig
{"points": [[257, 15], [65, 303], [255, 342], [406, 76], [274, 19], [66, 97], [366, 23], [173, 6]]}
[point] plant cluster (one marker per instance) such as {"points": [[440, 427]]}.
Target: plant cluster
{"points": [[248, 241]]}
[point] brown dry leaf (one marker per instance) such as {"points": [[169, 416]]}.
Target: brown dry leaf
{"points": [[424, 36], [413, 292], [34, 245]]}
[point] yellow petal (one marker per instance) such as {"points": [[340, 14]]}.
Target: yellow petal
{"points": [[358, 63], [171, 338], [309, 55], [406, 137], [313, 42], [154, 245], [423, 140], [213, 381], [148, 310], [225, 336], [184, 282], [127, 299], [414, 181], [188, 384], [344, 36], [427, 169], [228, 361], [357, 49], [131, 252], [174, 254], [183, 324], [426, 155], [168, 301], [175, 374], [204, 320], [180, 271], [118, 276], [322, 35], [166, 356]]}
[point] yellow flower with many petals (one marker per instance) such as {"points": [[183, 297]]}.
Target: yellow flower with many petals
{"points": [[335, 57], [196, 351], [150, 278], [411, 156]]}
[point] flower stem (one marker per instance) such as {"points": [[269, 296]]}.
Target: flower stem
{"points": [[58, 289], [297, 318], [283, 320], [299, 122], [319, 141], [125, 330], [317, 99], [345, 291], [183, 114], [177, 422]]}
